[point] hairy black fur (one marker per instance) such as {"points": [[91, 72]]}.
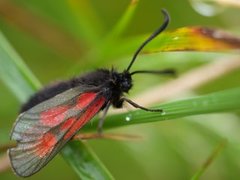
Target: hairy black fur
{"points": [[111, 83]]}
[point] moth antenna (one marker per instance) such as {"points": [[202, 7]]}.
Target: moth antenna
{"points": [[153, 35]]}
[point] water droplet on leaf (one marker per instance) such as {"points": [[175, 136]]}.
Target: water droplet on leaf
{"points": [[163, 113], [128, 118]]}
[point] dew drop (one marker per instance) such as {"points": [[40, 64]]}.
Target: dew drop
{"points": [[163, 113], [128, 118], [206, 7]]}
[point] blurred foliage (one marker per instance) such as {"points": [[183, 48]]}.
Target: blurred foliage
{"points": [[56, 39]]}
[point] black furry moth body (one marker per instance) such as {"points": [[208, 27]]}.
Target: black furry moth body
{"points": [[55, 114]]}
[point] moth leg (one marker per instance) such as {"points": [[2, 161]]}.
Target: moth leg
{"points": [[101, 120], [140, 107]]}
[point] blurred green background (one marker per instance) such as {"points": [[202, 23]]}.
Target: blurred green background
{"points": [[55, 40]]}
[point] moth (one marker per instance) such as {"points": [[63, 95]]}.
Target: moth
{"points": [[55, 114]]}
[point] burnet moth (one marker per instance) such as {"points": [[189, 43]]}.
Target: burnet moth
{"points": [[55, 114]]}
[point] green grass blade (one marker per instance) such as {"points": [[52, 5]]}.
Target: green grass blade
{"points": [[15, 74], [210, 160], [123, 22], [111, 40], [223, 101], [89, 25], [77, 152]]}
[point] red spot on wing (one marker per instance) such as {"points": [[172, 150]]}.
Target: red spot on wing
{"points": [[82, 101], [53, 116], [67, 124], [47, 143], [86, 116], [85, 99], [56, 115]]}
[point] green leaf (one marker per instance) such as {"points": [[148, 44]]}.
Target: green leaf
{"points": [[123, 22], [77, 152], [194, 39], [223, 101], [15, 74]]}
